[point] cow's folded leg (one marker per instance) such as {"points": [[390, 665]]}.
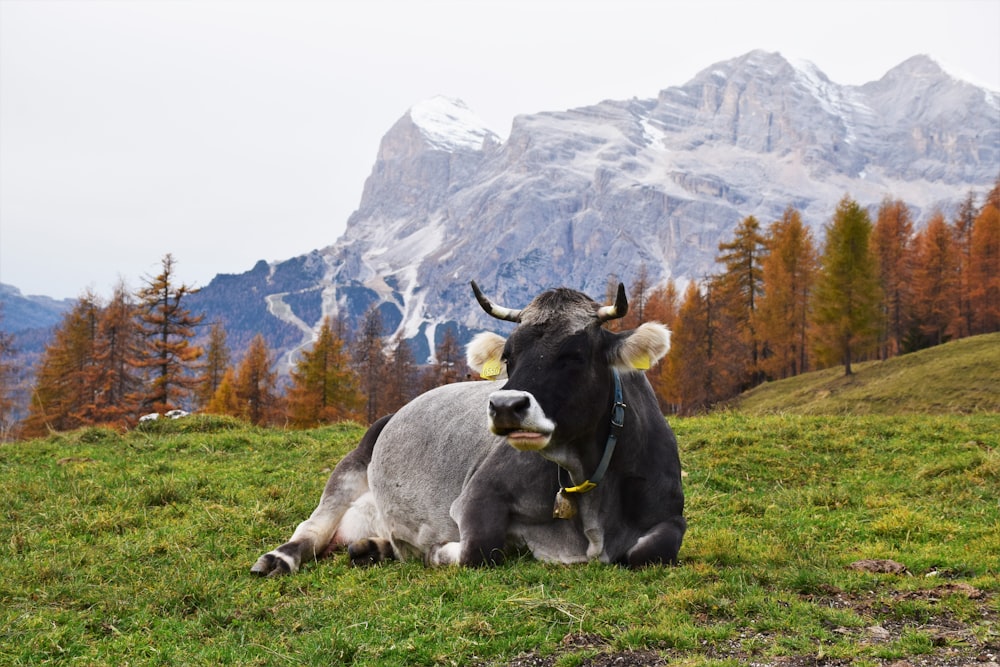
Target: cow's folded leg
{"points": [[660, 545], [369, 551]]}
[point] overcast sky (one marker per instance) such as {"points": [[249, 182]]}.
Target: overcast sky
{"points": [[228, 132]]}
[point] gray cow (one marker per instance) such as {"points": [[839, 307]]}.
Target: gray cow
{"points": [[568, 458]]}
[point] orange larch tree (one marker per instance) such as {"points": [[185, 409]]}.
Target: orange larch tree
{"points": [[788, 272], [961, 228], [935, 284], [61, 389], [892, 238], [217, 361], [984, 267], [113, 376], [403, 382], [256, 385], [167, 327], [688, 382]]}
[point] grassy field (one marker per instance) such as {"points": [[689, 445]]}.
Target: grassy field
{"points": [[960, 377], [135, 549]]}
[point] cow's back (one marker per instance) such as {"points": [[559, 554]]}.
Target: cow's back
{"points": [[422, 459]]}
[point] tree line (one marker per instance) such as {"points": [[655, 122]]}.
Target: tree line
{"points": [[111, 361], [782, 304]]}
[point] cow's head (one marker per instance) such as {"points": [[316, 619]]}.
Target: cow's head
{"points": [[558, 363]]}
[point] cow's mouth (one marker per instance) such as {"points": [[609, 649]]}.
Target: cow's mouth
{"points": [[528, 441]]}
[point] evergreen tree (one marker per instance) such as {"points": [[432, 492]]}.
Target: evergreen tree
{"points": [[935, 283], [984, 267], [788, 272], [167, 328], [891, 243], [256, 385], [61, 388], [738, 290], [324, 388], [846, 298]]}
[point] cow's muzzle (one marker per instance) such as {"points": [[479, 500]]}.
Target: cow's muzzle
{"points": [[517, 416]]}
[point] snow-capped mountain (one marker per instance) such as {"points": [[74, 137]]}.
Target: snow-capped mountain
{"points": [[576, 197]]}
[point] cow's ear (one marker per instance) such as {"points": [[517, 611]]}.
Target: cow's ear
{"points": [[484, 354], [639, 349]]}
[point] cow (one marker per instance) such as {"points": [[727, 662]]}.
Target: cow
{"points": [[562, 453]]}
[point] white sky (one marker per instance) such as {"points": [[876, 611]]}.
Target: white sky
{"points": [[226, 132]]}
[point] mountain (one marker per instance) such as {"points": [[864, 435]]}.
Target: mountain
{"points": [[22, 313], [582, 196]]}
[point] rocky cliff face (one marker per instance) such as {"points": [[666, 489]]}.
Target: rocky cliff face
{"points": [[577, 197]]}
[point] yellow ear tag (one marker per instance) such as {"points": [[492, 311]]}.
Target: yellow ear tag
{"points": [[491, 369], [641, 363]]}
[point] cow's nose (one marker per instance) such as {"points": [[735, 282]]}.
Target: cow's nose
{"points": [[507, 410]]}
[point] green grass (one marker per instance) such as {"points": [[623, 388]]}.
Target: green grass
{"points": [[961, 377], [135, 549]]}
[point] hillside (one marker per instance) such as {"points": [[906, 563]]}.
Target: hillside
{"points": [[955, 378]]}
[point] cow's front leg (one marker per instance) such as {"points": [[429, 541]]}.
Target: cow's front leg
{"points": [[343, 514], [660, 545], [482, 526]]}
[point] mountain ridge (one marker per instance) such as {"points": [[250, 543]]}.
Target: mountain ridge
{"points": [[584, 196]]}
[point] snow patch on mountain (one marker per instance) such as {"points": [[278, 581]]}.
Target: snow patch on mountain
{"points": [[449, 125]]}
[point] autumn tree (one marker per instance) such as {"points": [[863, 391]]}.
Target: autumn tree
{"points": [[113, 379], [984, 267], [324, 388], [788, 272], [167, 328], [61, 388], [370, 363], [687, 382], [737, 290], [661, 306], [891, 242], [225, 401], [846, 297], [217, 360], [403, 382], [935, 284], [256, 385], [961, 229]]}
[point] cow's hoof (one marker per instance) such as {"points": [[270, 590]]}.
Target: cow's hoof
{"points": [[367, 552], [270, 565]]}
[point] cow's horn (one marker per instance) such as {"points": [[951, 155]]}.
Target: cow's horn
{"points": [[616, 311], [498, 312]]}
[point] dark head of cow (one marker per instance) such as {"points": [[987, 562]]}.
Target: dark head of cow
{"points": [[558, 363]]}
